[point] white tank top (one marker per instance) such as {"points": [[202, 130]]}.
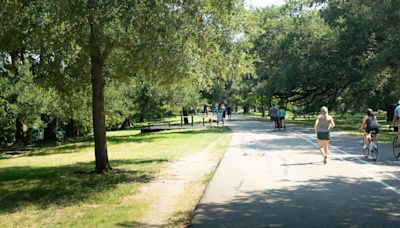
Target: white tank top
{"points": [[323, 124]]}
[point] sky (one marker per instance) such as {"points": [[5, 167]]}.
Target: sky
{"points": [[264, 3]]}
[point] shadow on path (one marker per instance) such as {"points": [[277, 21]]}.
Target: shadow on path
{"points": [[362, 203]]}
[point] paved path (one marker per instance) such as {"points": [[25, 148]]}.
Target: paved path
{"points": [[277, 179]]}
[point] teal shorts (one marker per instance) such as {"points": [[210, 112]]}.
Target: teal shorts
{"points": [[323, 135]]}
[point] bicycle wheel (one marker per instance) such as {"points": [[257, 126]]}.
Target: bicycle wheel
{"points": [[366, 152], [374, 151], [396, 148]]}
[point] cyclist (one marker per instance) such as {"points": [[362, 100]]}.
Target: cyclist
{"points": [[369, 123], [396, 120]]}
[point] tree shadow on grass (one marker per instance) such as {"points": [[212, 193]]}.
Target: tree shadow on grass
{"points": [[63, 185], [56, 148]]}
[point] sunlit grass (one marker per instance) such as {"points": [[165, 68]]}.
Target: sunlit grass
{"points": [[176, 120], [52, 186]]}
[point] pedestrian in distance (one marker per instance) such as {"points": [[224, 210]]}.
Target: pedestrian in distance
{"points": [[322, 126], [282, 114], [390, 115], [223, 110], [220, 114], [273, 113], [205, 110], [229, 112]]}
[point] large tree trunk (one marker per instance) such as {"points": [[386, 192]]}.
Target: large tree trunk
{"points": [[99, 123], [97, 59], [246, 109], [14, 61], [71, 129], [127, 123], [21, 132], [141, 118], [50, 129], [185, 114], [262, 109]]}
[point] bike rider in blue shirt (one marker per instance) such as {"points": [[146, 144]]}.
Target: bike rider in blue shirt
{"points": [[396, 120]]}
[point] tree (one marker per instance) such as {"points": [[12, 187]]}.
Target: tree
{"points": [[369, 39], [132, 38], [300, 56]]}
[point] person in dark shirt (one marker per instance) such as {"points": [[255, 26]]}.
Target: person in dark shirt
{"points": [[205, 110], [273, 113], [369, 123]]}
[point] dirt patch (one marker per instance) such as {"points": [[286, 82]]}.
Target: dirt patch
{"points": [[164, 191]]}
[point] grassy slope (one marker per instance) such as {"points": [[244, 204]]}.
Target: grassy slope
{"points": [[346, 123], [45, 189]]}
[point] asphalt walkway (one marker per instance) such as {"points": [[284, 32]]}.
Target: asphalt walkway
{"points": [[277, 179]]}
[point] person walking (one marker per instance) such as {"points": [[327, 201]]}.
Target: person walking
{"points": [[229, 112], [205, 110], [282, 114], [322, 126], [223, 110], [273, 113]]}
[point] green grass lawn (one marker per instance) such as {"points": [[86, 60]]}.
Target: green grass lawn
{"points": [[197, 119], [51, 185], [346, 123]]}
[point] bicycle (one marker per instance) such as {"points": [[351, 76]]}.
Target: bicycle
{"points": [[396, 146], [372, 148]]}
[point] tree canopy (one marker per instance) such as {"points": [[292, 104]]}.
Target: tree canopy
{"points": [[88, 66]]}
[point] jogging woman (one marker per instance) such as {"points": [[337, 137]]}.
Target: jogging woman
{"points": [[322, 126]]}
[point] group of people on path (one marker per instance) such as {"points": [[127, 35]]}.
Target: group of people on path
{"points": [[277, 115], [324, 123], [221, 112]]}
